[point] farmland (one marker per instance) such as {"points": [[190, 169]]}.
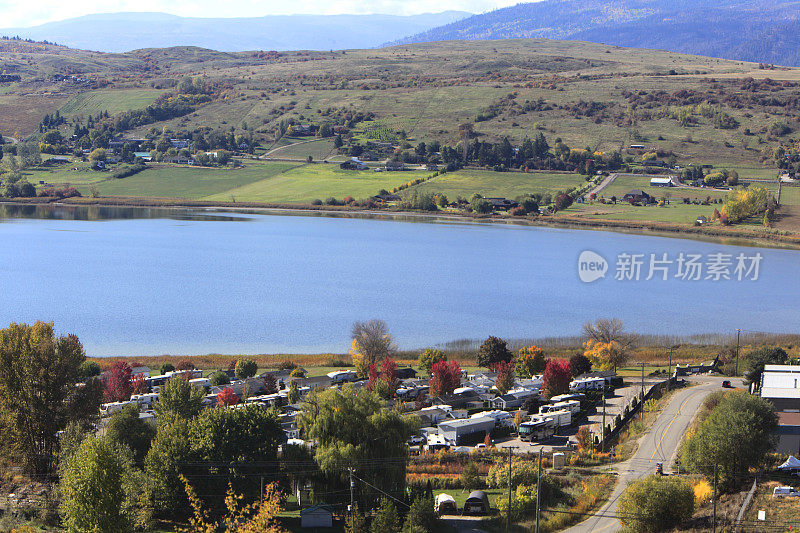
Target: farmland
{"points": [[113, 101], [487, 183]]}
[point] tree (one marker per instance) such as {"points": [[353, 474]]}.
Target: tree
{"points": [[169, 452], [118, 386], [605, 355], [556, 378], [166, 367], [218, 378], [294, 392], [505, 377], [481, 206], [127, 429], [270, 383], [530, 361], [579, 364], [470, 477], [351, 427], [492, 351], [29, 155], [179, 398], [386, 520], [656, 503], [99, 488], [430, 357], [756, 359], [245, 369], [227, 397], [139, 385], [88, 369], [609, 330], [421, 518], [385, 382], [38, 396], [185, 365], [445, 378], [736, 436], [371, 343]]}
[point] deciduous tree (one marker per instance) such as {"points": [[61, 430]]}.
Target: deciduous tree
{"points": [[179, 398], [127, 429], [445, 378], [430, 357], [38, 396], [227, 397], [384, 382], [118, 385], [245, 369], [492, 351], [530, 361], [505, 376], [371, 343], [556, 378], [580, 364], [656, 503]]}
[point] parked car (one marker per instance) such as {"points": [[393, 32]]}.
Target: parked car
{"points": [[727, 384], [785, 491], [416, 440]]}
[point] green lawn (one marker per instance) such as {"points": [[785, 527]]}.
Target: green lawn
{"points": [[64, 174], [488, 183], [676, 211], [623, 184], [191, 182], [111, 100], [309, 182]]}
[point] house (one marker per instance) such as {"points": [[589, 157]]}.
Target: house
{"points": [[503, 204], [302, 129], [702, 368], [178, 160], [468, 400], [386, 198], [637, 147], [320, 515], [405, 373], [661, 182], [179, 144], [140, 370], [353, 164], [506, 401], [395, 166], [636, 196], [701, 220], [144, 156]]}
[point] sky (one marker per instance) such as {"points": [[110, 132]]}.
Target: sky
{"points": [[23, 13]]}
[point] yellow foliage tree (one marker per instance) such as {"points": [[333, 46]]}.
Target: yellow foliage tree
{"points": [[360, 360], [257, 517], [605, 355]]}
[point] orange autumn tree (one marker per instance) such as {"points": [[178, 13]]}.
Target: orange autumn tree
{"points": [[530, 361], [605, 355], [257, 517]]}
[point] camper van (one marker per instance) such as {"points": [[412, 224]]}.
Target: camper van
{"points": [[342, 376], [573, 406], [147, 399], [535, 430], [587, 384]]}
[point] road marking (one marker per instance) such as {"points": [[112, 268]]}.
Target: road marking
{"points": [[674, 418]]}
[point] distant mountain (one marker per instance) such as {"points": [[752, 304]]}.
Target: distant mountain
{"points": [[753, 30], [121, 32]]}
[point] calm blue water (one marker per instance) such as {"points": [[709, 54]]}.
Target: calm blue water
{"points": [[272, 283]]}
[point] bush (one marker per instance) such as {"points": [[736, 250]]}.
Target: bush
{"points": [[316, 201], [219, 378], [522, 473], [656, 503]]}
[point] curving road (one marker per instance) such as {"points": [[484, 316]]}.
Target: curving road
{"points": [[659, 444]]}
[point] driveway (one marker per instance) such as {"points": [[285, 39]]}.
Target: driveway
{"points": [[659, 444]]}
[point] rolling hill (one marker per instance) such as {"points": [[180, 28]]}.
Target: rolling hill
{"points": [[759, 31], [121, 32]]}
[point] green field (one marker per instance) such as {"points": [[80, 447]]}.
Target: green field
{"points": [[676, 212], [318, 149], [309, 182], [113, 101], [625, 183], [190, 182], [488, 183]]}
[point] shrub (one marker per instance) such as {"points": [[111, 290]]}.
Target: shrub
{"points": [[316, 201], [656, 503], [522, 473]]}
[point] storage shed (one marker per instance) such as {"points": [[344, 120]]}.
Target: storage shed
{"points": [[317, 516], [455, 430]]}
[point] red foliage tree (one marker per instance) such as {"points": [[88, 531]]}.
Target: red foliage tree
{"points": [[445, 378], [385, 382], [118, 383], [556, 377], [139, 385], [185, 365], [227, 397], [270, 384], [505, 376]]}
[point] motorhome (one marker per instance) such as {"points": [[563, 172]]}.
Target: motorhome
{"points": [[573, 406], [342, 376], [587, 384]]}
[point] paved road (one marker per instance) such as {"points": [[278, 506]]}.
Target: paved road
{"points": [[660, 444], [608, 180]]}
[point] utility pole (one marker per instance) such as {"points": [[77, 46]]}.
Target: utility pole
{"points": [[508, 517], [641, 407], [780, 185], [352, 500], [738, 336], [603, 442], [538, 491], [714, 519]]}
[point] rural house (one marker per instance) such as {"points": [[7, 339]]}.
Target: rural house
{"points": [[637, 196]]}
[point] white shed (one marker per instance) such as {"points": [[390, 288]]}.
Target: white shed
{"points": [[316, 516]]}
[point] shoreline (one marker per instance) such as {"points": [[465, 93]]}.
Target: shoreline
{"points": [[726, 236]]}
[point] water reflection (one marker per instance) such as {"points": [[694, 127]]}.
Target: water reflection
{"points": [[100, 213]]}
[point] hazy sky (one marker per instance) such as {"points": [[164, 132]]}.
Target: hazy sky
{"points": [[20, 13]]}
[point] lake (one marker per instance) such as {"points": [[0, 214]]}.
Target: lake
{"points": [[150, 281]]}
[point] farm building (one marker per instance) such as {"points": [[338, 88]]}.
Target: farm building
{"points": [[661, 182]]}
